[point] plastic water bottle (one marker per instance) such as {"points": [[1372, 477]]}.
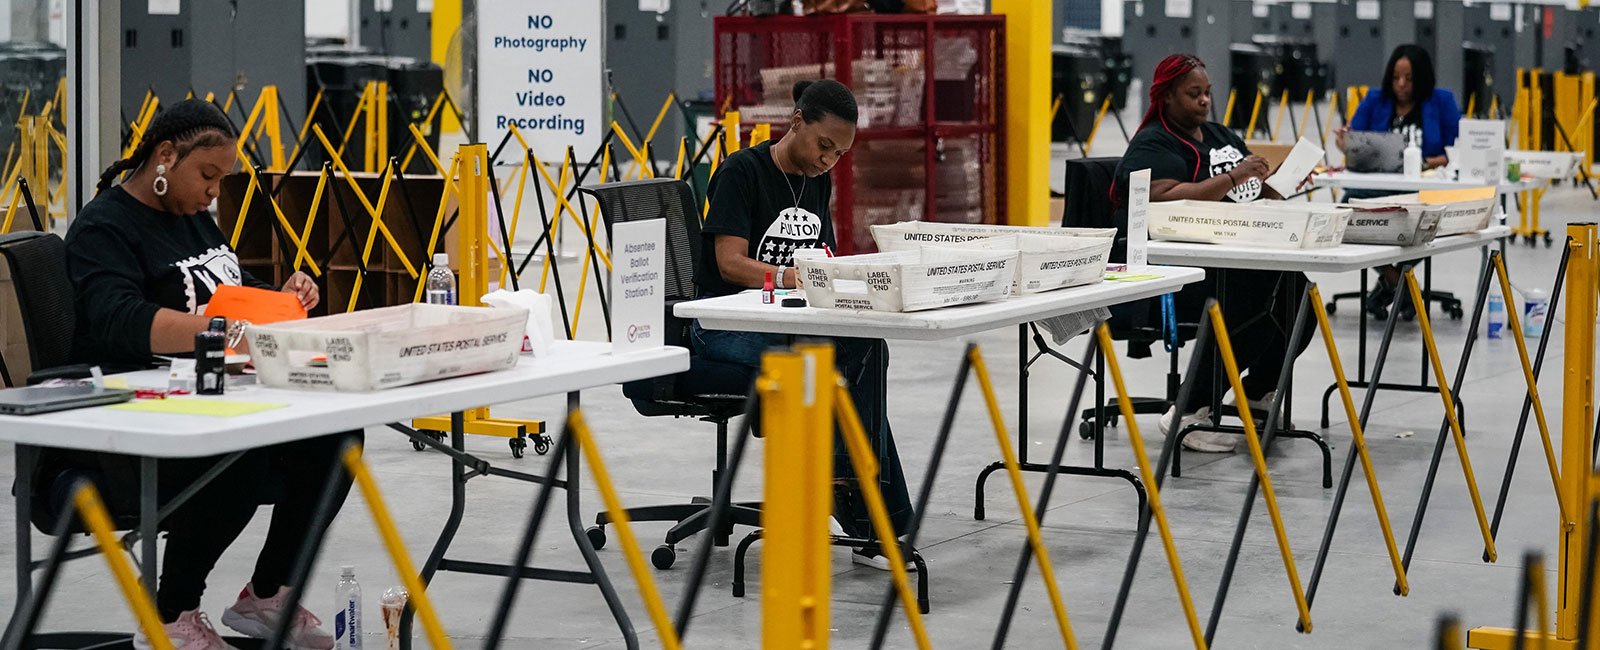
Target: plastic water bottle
{"points": [[1497, 315], [441, 283], [1535, 309], [1412, 157], [347, 623]]}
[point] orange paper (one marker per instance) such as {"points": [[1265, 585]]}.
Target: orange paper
{"points": [[1452, 196], [259, 306]]}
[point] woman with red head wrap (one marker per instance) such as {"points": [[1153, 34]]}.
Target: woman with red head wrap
{"points": [[1191, 157]]}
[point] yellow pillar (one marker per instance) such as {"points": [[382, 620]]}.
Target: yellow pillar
{"points": [[1027, 118], [472, 227], [1577, 408], [797, 417], [446, 21]]}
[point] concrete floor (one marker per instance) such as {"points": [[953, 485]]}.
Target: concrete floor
{"points": [[1089, 528]]}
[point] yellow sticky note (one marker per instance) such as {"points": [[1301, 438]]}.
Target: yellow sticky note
{"points": [[196, 406], [116, 382], [1129, 277]]}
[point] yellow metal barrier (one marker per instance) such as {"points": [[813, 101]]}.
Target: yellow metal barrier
{"points": [[1579, 485], [1255, 112], [1136, 441], [92, 510], [1450, 412], [374, 211], [1359, 439], [1259, 458], [1029, 518], [1568, 515], [396, 547], [1227, 113], [1277, 124], [1099, 117], [796, 419]]}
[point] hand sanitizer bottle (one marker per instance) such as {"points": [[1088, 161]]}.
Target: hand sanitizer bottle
{"points": [[1413, 157]]}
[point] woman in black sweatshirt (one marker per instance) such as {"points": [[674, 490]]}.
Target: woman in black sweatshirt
{"points": [[144, 257]]}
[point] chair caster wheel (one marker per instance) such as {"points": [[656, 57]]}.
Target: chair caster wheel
{"points": [[436, 435], [517, 446], [1455, 313], [664, 556], [597, 537], [1086, 430], [541, 444], [1331, 308]]}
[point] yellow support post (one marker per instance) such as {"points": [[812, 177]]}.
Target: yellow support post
{"points": [[1277, 124], [1098, 118], [1258, 456], [796, 409], [1227, 113], [1359, 438], [865, 463], [1027, 101], [1035, 537], [1579, 485], [1305, 116], [86, 499], [1450, 412], [1472, 106], [732, 131], [1255, 112], [1135, 440], [760, 133]]}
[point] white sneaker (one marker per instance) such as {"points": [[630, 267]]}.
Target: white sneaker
{"points": [[192, 631], [1262, 405], [1211, 442], [872, 558], [258, 618]]}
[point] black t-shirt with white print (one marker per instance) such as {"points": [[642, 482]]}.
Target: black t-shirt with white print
{"points": [[128, 260], [1170, 156], [776, 213]]}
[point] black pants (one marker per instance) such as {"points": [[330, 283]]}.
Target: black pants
{"points": [[1259, 308], [864, 364], [293, 474]]}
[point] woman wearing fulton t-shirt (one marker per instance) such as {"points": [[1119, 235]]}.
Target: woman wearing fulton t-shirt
{"points": [[1192, 158], [766, 202], [144, 258]]}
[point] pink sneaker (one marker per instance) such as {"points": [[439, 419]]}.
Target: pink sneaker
{"points": [[192, 631], [258, 617]]}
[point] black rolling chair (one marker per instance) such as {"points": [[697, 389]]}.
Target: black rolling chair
{"points": [[1141, 324], [711, 391], [37, 263]]}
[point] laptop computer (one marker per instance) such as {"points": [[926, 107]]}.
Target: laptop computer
{"points": [[34, 400], [1374, 152]]}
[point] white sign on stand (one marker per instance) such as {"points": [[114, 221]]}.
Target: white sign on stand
{"points": [[1138, 219], [1481, 148], [541, 67], [638, 286]]}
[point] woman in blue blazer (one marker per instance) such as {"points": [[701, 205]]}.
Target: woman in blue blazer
{"points": [[1407, 103]]}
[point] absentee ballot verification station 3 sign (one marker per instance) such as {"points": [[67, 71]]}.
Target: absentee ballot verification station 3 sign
{"points": [[638, 284], [541, 67]]}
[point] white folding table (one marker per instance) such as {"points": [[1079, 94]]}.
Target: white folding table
{"points": [[570, 368], [1402, 183]]}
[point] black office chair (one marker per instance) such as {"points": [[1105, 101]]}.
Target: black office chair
{"points": [[1140, 324], [38, 266], [712, 391]]}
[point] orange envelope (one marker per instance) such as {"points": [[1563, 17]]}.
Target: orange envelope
{"points": [[1452, 196], [258, 306]]}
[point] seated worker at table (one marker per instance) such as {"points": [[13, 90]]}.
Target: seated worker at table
{"points": [[144, 258], [768, 201], [1192, 158], [1408, 103]]}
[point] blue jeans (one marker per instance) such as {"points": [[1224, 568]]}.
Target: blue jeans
{"points": [[864, 363]]}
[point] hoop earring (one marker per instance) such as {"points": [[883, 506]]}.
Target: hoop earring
{"points": [[159, 186]]}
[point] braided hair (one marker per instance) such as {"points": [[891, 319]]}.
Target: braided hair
{"points": [[189, 124]]}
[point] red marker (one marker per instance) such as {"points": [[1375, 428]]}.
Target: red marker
{"points": [[825, 249]]}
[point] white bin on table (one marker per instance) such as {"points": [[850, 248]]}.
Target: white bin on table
{"points": [[387, 347], [1552, 165], [1050, 258], [908, 280], [1262, 224], [1393, 224], [1465, 210]]}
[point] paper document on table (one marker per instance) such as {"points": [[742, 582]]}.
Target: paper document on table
{"points": [[1302, 159], [193, 406]]}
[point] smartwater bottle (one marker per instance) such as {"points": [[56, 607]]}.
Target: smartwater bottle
{"points": [[440, 288], [1497, 315], [347, 623]]}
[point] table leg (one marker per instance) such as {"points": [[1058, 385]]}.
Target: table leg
{"points": [[149, 519], [24, 519], [458, 506], [590, 558]]}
